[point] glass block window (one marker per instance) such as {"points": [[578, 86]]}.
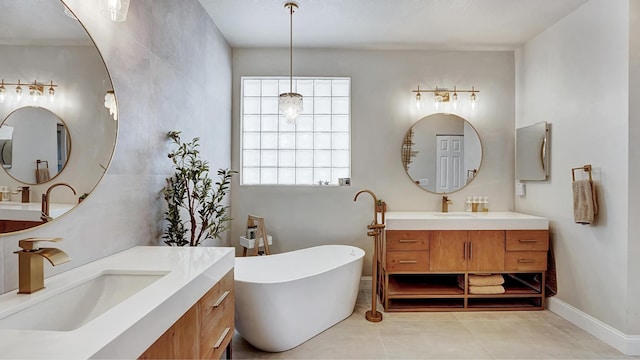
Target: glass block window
{"points": [[316, 148]]}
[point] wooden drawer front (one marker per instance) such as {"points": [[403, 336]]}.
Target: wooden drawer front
{"points": [[525, 261], [407, 261], [217, 333], [407, 240], [216, 318], [534, 240]]}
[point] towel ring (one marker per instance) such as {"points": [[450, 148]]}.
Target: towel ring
{"points": [[38, 162], [586, 168]]}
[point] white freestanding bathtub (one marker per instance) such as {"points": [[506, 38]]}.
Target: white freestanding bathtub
{"points": [[283, 300]]}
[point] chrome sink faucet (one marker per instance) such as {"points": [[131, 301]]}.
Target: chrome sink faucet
{"points": [[31, 263], [445, 203], [46, 200]]}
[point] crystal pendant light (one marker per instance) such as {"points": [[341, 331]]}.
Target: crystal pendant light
{"points": [[3, 92], [115, 10], [290, 103]]}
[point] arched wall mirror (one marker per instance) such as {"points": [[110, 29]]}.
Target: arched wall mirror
{"points": [[442, 153], [43, 44]]}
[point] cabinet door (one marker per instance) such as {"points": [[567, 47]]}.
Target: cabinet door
{"points": [[486, 250], [180, 341], [448, 250]]}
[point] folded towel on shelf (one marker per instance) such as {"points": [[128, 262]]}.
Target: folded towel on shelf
{"points": [[42, 175], [494, 289], [486, 280], [585, 206]]}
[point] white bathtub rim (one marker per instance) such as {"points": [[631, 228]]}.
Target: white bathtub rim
{"points": [[238, 277]]}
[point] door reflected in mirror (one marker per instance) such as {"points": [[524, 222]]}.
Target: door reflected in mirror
{"points": [[442, 153], [35, 145]]}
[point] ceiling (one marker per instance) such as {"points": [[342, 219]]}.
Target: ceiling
{"points": [[39, 22], [388, 24]]}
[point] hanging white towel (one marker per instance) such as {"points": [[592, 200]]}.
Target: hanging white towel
{"points": [[585, 205]]}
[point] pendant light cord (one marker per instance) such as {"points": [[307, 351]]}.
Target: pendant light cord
{"points": [[290, 48]]}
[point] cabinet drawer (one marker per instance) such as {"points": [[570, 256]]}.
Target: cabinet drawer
{"points": [[215, 339], [535, 240], [525, 261], [407, 261], [407, 240], [216, 318]]}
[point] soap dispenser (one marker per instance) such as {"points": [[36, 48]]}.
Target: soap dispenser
{"points": [[467, 205]]}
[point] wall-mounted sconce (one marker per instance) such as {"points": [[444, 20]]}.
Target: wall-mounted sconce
{"points": [[36, 91], [115, 10], [443, 95], [110, 103]]}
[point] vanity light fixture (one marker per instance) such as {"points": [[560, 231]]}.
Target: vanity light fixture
{"points": [[114, 10], [290, 103], [110, 103], [3, 92], [36, 90], [443, 95]]}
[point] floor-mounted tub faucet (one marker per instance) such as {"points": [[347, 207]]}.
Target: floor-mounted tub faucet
{"points": [[46, 200]]}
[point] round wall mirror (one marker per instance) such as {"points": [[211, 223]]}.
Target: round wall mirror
{"points": [[46, 52], [34, 145], [442, 153]]}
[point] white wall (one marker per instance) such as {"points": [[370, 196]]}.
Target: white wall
{"points": [[633, 254], [575, 75], [382, 110], [171, 69]]}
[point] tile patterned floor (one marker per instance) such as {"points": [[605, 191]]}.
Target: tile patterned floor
{"points": [[452, 335]]}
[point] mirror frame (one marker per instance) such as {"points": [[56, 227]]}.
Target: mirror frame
{"points": [[405, 152]]}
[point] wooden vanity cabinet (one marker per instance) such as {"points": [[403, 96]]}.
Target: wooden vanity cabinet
{"points": [[428, 270], [462, 250], [204, 331]]}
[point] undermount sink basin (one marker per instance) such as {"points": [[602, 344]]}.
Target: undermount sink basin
{"points": [[80, 304]]}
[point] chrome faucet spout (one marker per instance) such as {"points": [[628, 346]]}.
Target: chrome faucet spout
{"points": [[46, 201]]}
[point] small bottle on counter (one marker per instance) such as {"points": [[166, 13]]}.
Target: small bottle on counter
{"points": [[467, 205], [485, 204], [474, 204]]}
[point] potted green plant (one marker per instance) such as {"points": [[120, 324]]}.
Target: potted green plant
{"points": [[195, 205]]}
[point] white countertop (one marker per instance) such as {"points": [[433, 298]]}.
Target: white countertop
{"points": [[492, 220], [31, 211], [127, 329]]}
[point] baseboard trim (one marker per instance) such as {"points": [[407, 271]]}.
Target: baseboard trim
{"points": [[627, 344], [365, 282]]}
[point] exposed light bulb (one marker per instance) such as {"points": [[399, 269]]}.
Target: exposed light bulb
{"points": [[454, 99], [18, 92], [3, 92], [418, 101], [473, 100], [52, 93]]}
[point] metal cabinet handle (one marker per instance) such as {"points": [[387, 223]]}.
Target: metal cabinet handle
{"points": [[464, 253], [222, 337], [407, 261], [221, 299], [527, 241], [407, 241], [470, 250], [525, 261]]}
